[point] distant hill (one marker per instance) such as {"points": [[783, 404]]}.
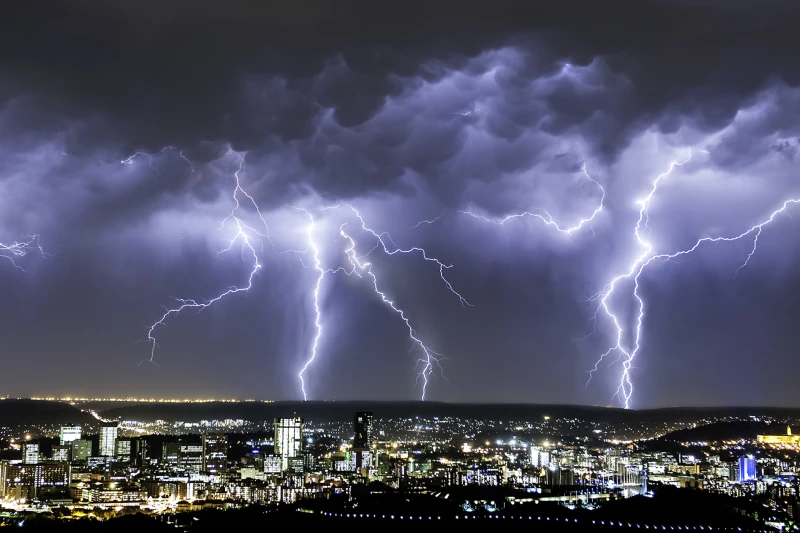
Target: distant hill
{"points": [[725, 431], [343, 411], [39, 412]]}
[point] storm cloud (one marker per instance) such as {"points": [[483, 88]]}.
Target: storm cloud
{"points": [[411, 112]]}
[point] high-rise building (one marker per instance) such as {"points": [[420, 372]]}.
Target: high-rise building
{"points": [[108, 439], [81, 450], [123, 449], [288, 440], [30, 453], [171, 453], [362, 423], [272, 464], [191, 457], [142, 452], [544, 459], [215, 454], [747, 469], [30, 479], [69, 434], [534, 455], [61, 453], [3, 475]]}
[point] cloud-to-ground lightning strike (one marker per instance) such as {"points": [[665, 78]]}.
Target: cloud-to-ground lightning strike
{"points": [[317, 313], [546, 217], [314, 249], [251, 238], [625, 389], [638, 266], [19, 249], [359, 266], [431, 357]]}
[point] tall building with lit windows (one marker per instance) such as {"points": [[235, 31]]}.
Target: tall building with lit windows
{"points": [[108, 439], [215, 454], [123, 450], [362, 424], [81, 450], [67, 434], [288, 440], [747, 469], [3, 473], [30, 453], [61, 453], [362, 440]]}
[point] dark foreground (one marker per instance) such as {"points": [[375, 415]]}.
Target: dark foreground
{"points": [[670, 510]]}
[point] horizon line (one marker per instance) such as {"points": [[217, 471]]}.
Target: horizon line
{"points": [[70, 399]]}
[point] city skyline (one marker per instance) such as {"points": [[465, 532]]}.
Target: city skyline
{"points": [[572, 204], [732, 471]]}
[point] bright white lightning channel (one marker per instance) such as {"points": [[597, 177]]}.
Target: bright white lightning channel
{"points": [[18, 249], [431, 357], [250, 239], [248, 247], [314, 249], [637, 267], [546, 217], [359, 266], [414, 249]]}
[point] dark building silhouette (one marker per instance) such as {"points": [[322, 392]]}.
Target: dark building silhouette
{"points": [[362, 423], [215, 454]]}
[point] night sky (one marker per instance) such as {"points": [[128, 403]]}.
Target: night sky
{"points": [[408, 112]]}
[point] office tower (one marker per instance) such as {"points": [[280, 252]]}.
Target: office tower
{"points": [[272, 464], [190, 457], [171, 453], [123, 449], [142, 452], [3, 473], [534, 456], [544, 459], [30, 479], [81, 450], [215, 454], [288, 440], [747, 469], [108, 438], [362, 423], [61, 453], [30, 453], [69, 434]]}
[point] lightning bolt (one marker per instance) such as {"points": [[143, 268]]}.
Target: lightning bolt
{"points": [[546, 217], [314, 249], [129, 160], [415, 249], [648, 257], [19, 249], [248, 246], [187, 160], [431, 221], [431, 357], [359, 267], [250, 239], [625, 389]]}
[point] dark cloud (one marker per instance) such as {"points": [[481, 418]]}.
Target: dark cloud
{"points": [[185, 72]]}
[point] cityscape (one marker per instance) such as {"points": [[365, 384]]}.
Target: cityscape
{"points": [[578, 468]]}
